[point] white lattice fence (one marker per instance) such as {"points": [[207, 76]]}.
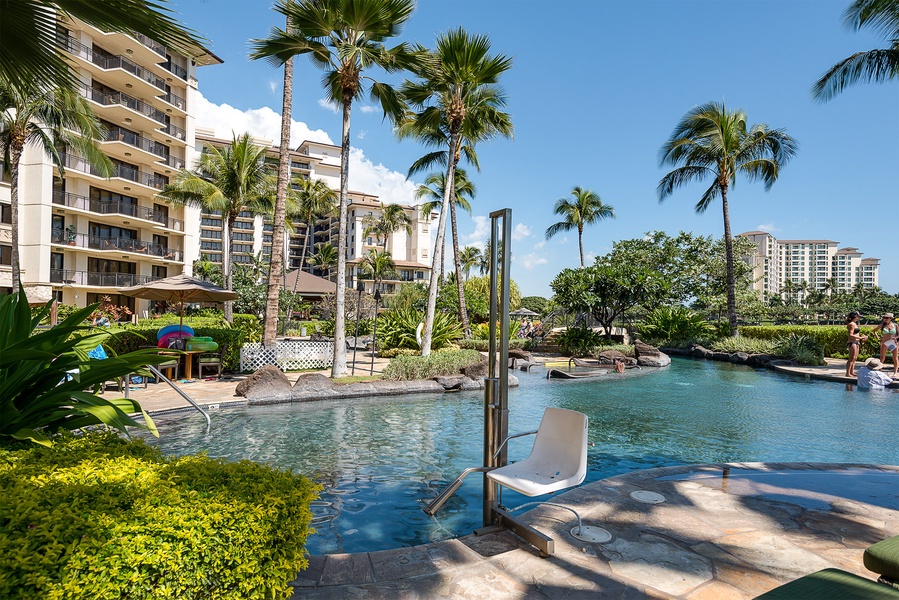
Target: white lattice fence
{"points": [[287, 356]]}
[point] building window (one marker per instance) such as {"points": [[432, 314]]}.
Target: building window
{"points": [[243, 248], [5, 254], [160, 272], [204, 245], [6, 214]]}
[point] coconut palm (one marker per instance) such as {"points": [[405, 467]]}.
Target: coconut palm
{"points": [[433, 188], [470, 257], [455, 104], [379, 265], [392, 218], [48, 119], [875, 66], [789, 290], [312, 200], [711, 141], [30, 55], [229, 180], [324, 257], [803, 288], [584, 209], [345, 38]]}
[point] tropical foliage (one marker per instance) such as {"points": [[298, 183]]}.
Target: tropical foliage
{"points": [[578, 341], [393, 218], [442, 362], [712, 142], [398, 328], [585, 208], [324, 258], [674, 324]]}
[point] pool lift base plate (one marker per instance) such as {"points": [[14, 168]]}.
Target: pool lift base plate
{"points": [[589, 533]]}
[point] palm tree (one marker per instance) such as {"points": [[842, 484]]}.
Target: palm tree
{"points": [[30, 55], [344, 38], [789, 288], [876, 66], [392, 218], [803, 289], [324, 258], [230, 180], [433, 188], [458, 104], [312, 200], [470, 257], [49, 119], [379, 265], [711, 141], [585, 209]]}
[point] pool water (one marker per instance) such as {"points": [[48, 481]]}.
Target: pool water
{"points": [[381, 460]]}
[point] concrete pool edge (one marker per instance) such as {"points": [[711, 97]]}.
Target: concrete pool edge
{"points": [[701, 542]]}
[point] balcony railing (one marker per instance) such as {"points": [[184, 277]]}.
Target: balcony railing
{"points": [[78, 49], [153, 180], [174, 100], [69, 277], [178, 70], [151, 44], [173, 161], [106, 207], [117, 134], [174, 131], [117, 244], [124, 100]]}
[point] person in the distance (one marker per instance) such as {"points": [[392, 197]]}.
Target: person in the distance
{"points": [[889, 340], [870, 375]]}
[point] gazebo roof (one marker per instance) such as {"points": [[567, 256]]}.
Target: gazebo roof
{"points": [[307, 284]]}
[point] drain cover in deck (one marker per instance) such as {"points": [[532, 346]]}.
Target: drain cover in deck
{"points": [[647, 497], [588, 533]]}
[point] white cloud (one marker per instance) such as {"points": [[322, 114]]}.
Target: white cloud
{"points": [[263, 122], [367, 108], [529, 261], [539, 244], [391, 187], [589, 257], [767, 227], [480, 234], [273, 85], [361, 135], [520, 231], [328, 105]]}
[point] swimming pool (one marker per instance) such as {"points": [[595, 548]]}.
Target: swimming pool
{"points": [[381, 460]]}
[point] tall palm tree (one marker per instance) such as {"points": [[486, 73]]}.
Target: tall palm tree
{"points": [[312, 200], [470, 257], [30, 55], [324, 258], [789, 289], [392, 218], [711, 141], [803, 289], [345, 38], [379, 265], [455, 104], [876, 66], [230, 180], [585, 208], [433, 188], [48, 119]]}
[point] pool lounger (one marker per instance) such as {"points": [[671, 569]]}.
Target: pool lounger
{"points": [[831, 584]]}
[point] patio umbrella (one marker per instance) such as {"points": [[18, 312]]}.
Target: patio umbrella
{"points": [[180, 289], [523, 312]]}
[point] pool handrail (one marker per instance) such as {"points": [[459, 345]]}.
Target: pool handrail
{"points": [[159, 375]]}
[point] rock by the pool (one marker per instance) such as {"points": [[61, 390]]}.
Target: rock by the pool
{"points": [[267, 381]]}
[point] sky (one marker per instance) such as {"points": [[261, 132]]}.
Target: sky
{"points": [[595, 89]]}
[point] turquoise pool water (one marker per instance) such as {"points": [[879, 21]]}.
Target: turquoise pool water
{"points": [[381, 460]]}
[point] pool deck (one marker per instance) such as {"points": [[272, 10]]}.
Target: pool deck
{"points": [[724, 532], [834, 370]]}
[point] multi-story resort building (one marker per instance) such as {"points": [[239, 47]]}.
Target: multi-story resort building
{"points": [[317, 160], [81, 235], [821, 263]]}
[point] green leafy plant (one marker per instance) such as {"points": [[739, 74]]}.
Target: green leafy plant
{"points": [[97, 516], [249, 325], [397, 329], [443, 362], [744, 344], [483, 345], [43, 376], [831, 337], [578, 341], [801, 348], [481, 331], [673, 325], [394, 352]]}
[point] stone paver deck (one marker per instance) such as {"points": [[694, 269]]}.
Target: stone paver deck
{"points": [[834, 370], [719, 537]]}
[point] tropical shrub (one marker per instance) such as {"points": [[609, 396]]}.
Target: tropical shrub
{"points": [[801, 348], [481, 331], [538, 304], [832, 338], [443, 362], [477, 298], [96, 516], [249, 325], [397, 329], [744, 344], [578, 341], [484, 345], [43, 376], [394, 352], [623, 348], [673, 325]]}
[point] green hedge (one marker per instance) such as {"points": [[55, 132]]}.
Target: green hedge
{"points": [[831, 337], [99, 517], [482, 345], [231, 340], [443, 362]]}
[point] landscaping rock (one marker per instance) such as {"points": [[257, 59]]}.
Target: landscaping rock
{"points": [[701, 352], [452, 382], [520, 354], [422, 386], [722, 356], [662, 360], [760, 360], [607, 357], [313, 382], [641, 349], [476, 371], [470, 385], [266, 382], [739, 358]]}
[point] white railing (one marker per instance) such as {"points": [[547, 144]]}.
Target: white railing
{"points": [[287, 355]]}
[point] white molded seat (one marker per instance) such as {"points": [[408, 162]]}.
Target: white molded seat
{"points": [[558, 459]]}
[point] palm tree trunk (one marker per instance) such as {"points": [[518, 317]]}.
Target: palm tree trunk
{"points": [[460, 287], [306, 242], [228, 222], [338, 368], [580, 243], [427, 332], [15, 155], [729, 258], [276, 268]]}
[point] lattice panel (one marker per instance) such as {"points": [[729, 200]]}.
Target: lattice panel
{"points": [[287, 356]]}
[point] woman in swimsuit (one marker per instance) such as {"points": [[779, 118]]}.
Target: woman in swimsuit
{"points": [[855, 340], [889, 341]]}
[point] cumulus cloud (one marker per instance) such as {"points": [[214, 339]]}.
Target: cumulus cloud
{"points": [[367, 109], [273, 86], [390, 186], [328, 105], [589, 257], [480, 234], [767, 227], [263, 122], [529, 261], [361, 135], [520, 231], [539, 244]]}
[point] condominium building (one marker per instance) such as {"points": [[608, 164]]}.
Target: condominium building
{"points": [[317, 160], [820, 263], [82, 235]]}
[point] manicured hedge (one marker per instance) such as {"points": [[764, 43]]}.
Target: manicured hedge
{"points": [[442, 362], [99, 517], [483, 345], [831, 337]]}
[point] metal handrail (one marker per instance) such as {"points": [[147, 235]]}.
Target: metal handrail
{"points": [[159, 374]]}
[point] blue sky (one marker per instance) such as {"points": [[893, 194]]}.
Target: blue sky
{"points": [[595, 89]]}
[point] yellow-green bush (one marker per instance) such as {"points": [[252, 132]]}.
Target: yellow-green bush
{"points": [[443, 362], [99, 517], [831, 337]]}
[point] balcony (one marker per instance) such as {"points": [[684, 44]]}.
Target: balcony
{"points": [[117, 134], [151, 44], [87, 54], [117, 208], [116, 244], [175, 132], [175, 100], [153, 180], [123, 99], [179, 71], [117, 280]]}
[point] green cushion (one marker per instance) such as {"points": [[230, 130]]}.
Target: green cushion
{"points": [[883, 557], [167, 365], [210, 359], [831, 584]]}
